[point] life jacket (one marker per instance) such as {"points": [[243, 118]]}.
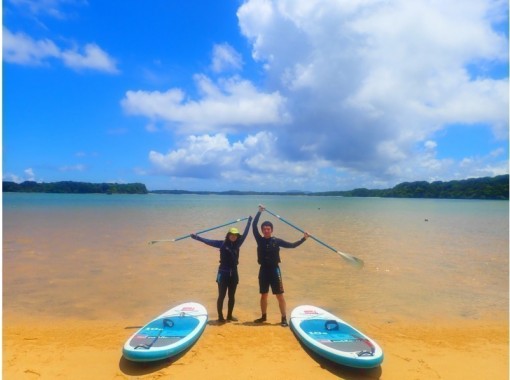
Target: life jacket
{"points": [[268, 252], [229, 255]]}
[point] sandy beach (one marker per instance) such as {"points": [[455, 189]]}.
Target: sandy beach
{"points": [[39, 349], [78, 282]]}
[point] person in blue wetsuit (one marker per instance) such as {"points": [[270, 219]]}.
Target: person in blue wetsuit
{"points": [[227, 277], [268, 256]]}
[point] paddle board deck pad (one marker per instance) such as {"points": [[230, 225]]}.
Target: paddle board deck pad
{"points": [[334, 339], [168, 335]]}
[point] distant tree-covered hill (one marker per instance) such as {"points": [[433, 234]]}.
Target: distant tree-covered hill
{"points": [[473, 188], [74, 187]]}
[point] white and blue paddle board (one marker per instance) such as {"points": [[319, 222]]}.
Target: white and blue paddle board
{"points": [[334, 339], [168, 335]]}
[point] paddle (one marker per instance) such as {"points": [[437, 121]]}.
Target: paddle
{"points": [[350, 259], [199, 232]]}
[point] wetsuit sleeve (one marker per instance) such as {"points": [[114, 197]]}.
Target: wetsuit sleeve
{"points": [[245, 233], [212, 243], [255, 228], [286, 244]]}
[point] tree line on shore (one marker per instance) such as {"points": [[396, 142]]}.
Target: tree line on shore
{"points": [[473, 188], [74, 187], [495, 188]]}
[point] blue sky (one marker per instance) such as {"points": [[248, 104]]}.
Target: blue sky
{"points": [[254, 95]]}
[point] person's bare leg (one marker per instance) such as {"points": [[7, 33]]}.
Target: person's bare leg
{"points": [[263, 308], [283, 308], [263, 303]]}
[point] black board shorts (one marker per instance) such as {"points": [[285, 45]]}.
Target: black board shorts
{"points": [[270, 276]]}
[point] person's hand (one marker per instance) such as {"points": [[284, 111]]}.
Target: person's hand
{"points": [[193, 236], [307, 235], [249, 218], [261, 208]]}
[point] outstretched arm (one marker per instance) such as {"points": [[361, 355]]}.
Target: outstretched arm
{"points": [[212, 243], [286, 244]]}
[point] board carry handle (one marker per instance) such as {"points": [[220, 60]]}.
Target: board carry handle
{"points": [[368, 343], [331, 325]]}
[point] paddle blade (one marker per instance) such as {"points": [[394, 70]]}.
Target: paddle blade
{"points": [[354, 261]]}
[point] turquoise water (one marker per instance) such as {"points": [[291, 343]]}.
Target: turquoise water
{"points": [[87, 256]]}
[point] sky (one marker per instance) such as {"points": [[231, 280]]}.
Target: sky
{"points": [[281, 95]]}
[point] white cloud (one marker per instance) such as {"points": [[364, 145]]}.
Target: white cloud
{"points": [[356, 92], [368, 81], [19, 48], [224, 105], [214, 156], [93, 58], [29, 174], [430, 145], [12, 177], [52, 8], [225, 58]]}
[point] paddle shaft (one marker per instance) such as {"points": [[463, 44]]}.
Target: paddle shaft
{"points": [[351, 259], [200, 232]]}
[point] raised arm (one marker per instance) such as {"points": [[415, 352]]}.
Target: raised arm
{"points": [[246, 229], [255, 227]]}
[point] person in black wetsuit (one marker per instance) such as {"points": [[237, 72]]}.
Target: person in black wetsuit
{"points": [[227, 277], [268, 256]]}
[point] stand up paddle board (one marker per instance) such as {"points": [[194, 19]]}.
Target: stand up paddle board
{"points": [[171, 333], [333, 338]]}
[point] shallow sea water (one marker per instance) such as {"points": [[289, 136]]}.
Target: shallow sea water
{"points": [[88, 257]]}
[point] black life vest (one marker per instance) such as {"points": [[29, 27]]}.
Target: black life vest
{"points": [[268, 252], [229, 255]]}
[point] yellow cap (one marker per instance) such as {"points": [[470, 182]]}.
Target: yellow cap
{"points": [[234, 231]]}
